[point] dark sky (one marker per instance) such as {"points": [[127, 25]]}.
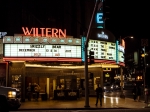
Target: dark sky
{"points": [[127, 17]]}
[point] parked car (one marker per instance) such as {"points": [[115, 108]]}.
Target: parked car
{"points": [[11, 98]]}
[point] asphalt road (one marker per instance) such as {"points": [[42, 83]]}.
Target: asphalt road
{"points": [[128, 93], [99, 110]]}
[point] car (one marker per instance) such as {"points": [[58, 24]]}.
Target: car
{"points": [[108, 87], [11, 98], [115, 87]]}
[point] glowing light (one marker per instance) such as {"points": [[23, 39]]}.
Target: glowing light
{"points": [[47, 32]]}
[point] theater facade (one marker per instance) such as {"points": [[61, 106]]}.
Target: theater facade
{"points": [[55, 61]]}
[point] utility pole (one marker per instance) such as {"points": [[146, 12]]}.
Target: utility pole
{"points": [[144, 70], [144, 43], [121, 74], [86, 57]]}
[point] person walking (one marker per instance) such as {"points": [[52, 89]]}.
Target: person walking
{"points": [[37, 90], [99, 95], [29, 93], [138, 93], [33, 90], [134, 92], [146, 93]]}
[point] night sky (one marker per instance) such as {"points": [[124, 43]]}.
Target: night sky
{"points": [[126, 18], [129, 18]]}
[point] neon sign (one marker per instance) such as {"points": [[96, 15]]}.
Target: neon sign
{"points": [[99, 18], [44, 32], [102, 35]]}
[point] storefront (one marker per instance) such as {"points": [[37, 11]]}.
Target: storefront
{"points": [[48, 57]]}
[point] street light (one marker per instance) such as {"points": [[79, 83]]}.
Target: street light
{"points": [[125, 38], [98, 5], [121, 70], [128, 37]]}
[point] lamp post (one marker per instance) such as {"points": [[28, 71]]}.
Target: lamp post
{"points": [[98, 5], [144, 43], [121, 70], [128, 37]]}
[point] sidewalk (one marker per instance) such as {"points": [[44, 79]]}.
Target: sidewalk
{"points": [[108, 102]]}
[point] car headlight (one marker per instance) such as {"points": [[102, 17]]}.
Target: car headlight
{"points": [[11, 94]]}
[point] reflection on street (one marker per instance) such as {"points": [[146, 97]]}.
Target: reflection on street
{"points": [[114, 100]]}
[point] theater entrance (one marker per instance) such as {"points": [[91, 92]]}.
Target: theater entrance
{"points": [[54, 80]]}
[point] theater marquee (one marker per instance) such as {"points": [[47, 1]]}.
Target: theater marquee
{"points": [[102, 50], [39, 50], [52, 43]]}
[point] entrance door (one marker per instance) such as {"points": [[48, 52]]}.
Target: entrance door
{"points": [[46, 85]]}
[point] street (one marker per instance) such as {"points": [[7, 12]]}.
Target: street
{"points": [[127, 93], [99, 110], [111, 103]]}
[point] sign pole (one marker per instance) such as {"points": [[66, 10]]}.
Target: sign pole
{"points": [[144, 43], [144, 71], [86, 59], [86, 79]]}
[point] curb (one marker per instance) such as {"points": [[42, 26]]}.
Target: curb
{"points": [[72, 108]]}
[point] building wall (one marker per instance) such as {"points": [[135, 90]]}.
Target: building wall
{"points": [[1, 49], [16, 77]]}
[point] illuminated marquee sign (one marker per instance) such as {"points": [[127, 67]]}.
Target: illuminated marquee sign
{"points": [[66, 48], [103, 49], [44, 32], [121, 53], [39, 50], [102, 35]]}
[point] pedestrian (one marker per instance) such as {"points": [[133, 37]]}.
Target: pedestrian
{"points": [[138, 93], [146, 93], [29, 93], [99, 95], [32, 90], [37, 90], [134, 92]]}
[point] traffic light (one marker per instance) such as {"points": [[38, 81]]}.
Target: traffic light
{"points": [[91, 57], [142, 58]]}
